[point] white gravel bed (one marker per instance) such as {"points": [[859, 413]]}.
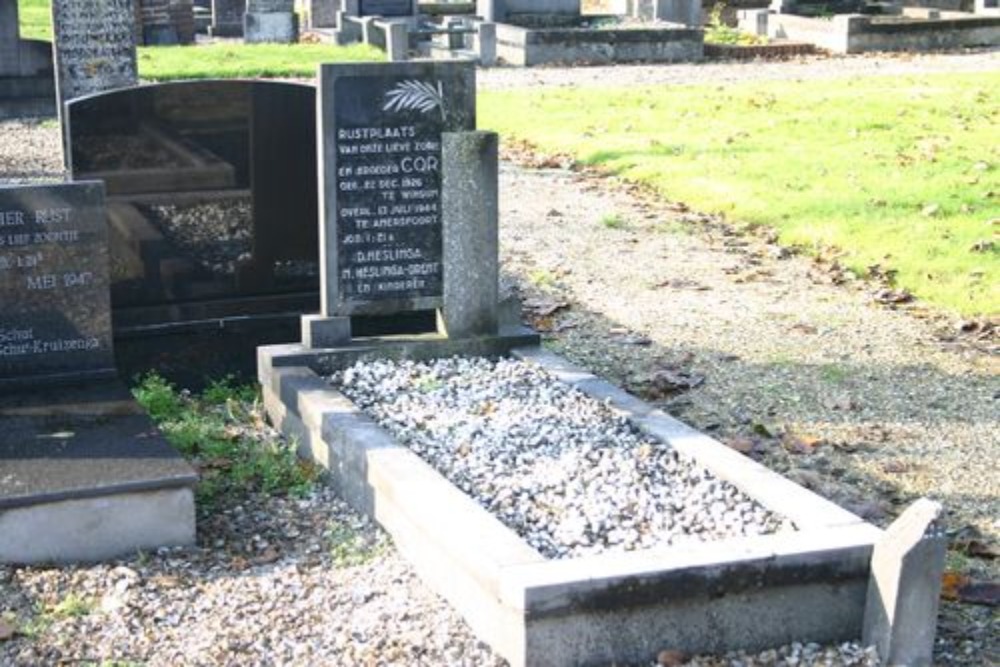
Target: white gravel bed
{"points": [[566, 472]]}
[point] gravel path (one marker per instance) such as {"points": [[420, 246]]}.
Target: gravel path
{"points": [[867, 405], [806, 67]]}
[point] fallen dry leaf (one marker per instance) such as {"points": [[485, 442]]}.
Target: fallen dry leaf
{"points": [[7, 630], [664, 382], [976, 549], [269, 555], [896, 467], [891, 296], [671, 658], [951, 582], [543, 307], [980, 592], [741, 445], [800, 444]]}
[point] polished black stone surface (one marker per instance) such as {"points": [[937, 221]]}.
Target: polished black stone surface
{"points": [[382, 128], [387, 7], [55, 320], [212, 196], [83, 441]]}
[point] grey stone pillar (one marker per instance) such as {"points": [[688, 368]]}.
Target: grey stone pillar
{"points": [[485, 43], [469, 202], [901, 607], [397, 41]]}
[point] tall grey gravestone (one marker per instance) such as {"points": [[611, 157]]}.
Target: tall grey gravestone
{"points": [[55, 324], [380, 187], [94, 47]]}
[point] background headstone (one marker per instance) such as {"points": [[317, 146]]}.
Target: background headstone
{"points": [[214, 211], [380, 175], [26, 82], [270, 21], [94, 47], [56, 317], [227, 18], [388, 7]]}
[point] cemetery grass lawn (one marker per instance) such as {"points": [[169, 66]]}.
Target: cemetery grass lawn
{"points": [[233, 60], [36, 19], [903, 172], [227, 60]]}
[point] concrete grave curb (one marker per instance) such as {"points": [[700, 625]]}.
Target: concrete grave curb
{"points": [[745, 593]]}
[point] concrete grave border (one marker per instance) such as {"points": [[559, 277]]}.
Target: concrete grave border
{"points": [[745, 593]]}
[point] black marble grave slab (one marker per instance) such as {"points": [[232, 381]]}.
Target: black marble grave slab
{"points": [[55, 319], [66, 443], [212, 197], [381, 177], [387, 7]]}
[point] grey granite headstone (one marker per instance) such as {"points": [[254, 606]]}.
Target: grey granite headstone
{"points": [[270, 21], [94, 46], [55, 323], [380, 176], [901, 607]]}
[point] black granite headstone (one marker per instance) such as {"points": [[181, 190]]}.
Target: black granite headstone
{"points": [[381, 181], [387, 7], [214, 205], [55, 319]]}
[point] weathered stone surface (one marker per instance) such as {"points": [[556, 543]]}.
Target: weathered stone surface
{"points": [[55, 323], [381, 181], [905, 585], [94, 46], [270, 27], [471, 234]]}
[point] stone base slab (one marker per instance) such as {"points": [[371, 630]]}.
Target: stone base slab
{"points": [[85, 475]]}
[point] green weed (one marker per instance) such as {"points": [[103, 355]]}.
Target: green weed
{"points": [[221, 433], [71, 606], [350, 548], [614, 221]]}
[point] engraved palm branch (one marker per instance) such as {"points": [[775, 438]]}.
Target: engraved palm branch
{"points": [[416, 96]]}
